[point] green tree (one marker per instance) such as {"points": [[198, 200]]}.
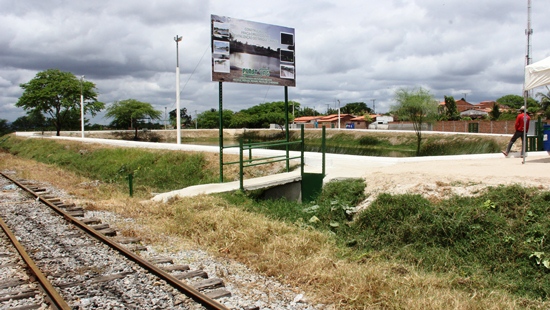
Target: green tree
{"points": [[516, 101], [262, 115], [128, 113], [356, 108], [495, 112], [417, 106], [32, 121], [545, 102], [544, 99], [185, 118], [4, 127], [306, 111], [241, 120], [211, 119], [56, 94], [451, 109], [368, 118]]}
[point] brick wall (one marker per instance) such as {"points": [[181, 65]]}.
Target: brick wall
{"points": [[494, 127], [497, 127]]}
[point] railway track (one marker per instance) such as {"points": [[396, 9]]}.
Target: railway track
{"points": [[87, 264], [19, 287]]}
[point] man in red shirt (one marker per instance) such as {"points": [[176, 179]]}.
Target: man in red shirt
{"points": [[519, 130]]}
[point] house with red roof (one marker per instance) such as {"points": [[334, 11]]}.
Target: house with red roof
{"points": [[331, 121]]}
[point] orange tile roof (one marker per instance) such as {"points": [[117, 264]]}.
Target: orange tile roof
{"points": [[306, 119]]}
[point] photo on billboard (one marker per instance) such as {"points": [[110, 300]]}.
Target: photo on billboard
{"points": [[287, 72], [287, 38], [252, 53]]}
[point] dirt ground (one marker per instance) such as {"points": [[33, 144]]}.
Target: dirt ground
{"points": [[440, 178]]}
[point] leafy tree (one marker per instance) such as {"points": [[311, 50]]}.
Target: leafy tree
{"points": [[262, 115], [495, 112], [356, 108], [306, 111], [4, 127], [544, 99], [241, 120], [417, 106], [516, 101], [211, 119], [452, 109], [185, 118], [127, 113], [32, 121], [545, 102], [56, 94], [368, 118]]}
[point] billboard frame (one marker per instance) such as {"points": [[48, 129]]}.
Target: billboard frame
{"points": [[252, 53]]}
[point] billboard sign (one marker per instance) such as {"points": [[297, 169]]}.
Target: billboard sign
{"points": [[252, 53]]}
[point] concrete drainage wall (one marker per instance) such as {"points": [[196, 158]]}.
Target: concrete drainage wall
{"points": [[289, 191]]}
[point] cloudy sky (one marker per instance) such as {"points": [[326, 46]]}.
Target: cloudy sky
{"points": [[346, 50]]}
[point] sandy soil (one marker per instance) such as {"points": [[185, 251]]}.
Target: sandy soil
{"points": [[439, 179]]}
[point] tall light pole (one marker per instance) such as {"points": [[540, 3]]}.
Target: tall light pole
{"points": [[165, 117], [373, 106], [178, 116], [81, 107]]}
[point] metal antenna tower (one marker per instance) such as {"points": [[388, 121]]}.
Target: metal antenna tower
{"points": [[528, 32]]}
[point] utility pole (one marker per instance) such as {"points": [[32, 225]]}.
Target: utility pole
{"points": [[178, 116], [81, 106], [165, 118], [373, 106], [196, 120]]}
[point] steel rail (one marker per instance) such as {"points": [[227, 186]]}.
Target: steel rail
{"points": [[188, 290], [52, 293]]}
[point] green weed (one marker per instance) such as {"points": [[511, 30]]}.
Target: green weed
{"points": [[152, 170], [495, 240]]}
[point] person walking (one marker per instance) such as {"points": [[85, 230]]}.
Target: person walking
{"points": [[519, 126]]}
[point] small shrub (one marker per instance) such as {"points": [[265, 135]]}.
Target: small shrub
{"points": [[368, 140]]}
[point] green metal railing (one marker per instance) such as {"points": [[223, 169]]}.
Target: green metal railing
{"points": [[257, 161]]}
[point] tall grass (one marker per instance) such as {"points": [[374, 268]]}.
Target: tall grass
{"points": [[151, 170], [455, 146], [495, 241]]}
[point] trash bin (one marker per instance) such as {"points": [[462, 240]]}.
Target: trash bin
{"points": [[546, 137]]}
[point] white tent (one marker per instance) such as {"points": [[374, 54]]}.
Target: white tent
{"points": [[536, 74]]}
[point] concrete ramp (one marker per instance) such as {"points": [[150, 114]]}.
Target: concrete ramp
{"points": [[266, 182]]}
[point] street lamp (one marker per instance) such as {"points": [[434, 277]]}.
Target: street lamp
{"points": [[178, 117], [81, 107]]}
